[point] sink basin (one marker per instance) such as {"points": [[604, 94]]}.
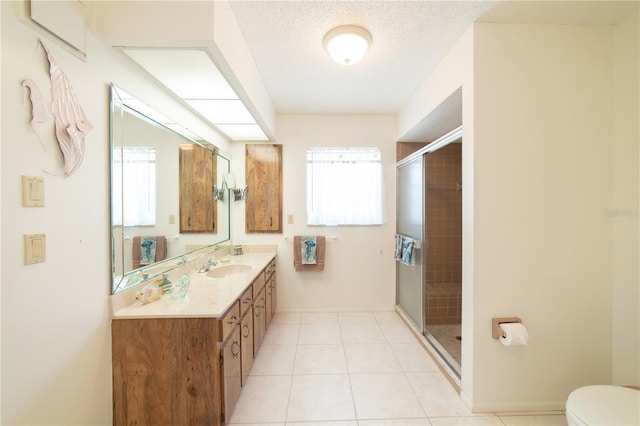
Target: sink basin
{"points": [[228, 271]]}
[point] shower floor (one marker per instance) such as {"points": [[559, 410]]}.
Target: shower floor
{"points": [[446, 335]]}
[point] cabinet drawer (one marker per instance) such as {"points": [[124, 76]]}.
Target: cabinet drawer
{"points": [[257, 285], [229, 320], [245, 300], [270, 269]]}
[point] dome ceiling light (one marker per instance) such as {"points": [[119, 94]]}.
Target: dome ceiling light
{"points": [[347, 44]]}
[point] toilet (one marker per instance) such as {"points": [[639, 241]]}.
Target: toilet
{"points": [[603, 405]]}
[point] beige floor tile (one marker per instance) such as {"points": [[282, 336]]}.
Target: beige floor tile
{"points": [[413, 357], [537, 420], [370, 358], [362, 333], [287, 318], [320, 397], [274, 360], [436, 395], [324, 423], [319, 334], [257, 424], [466, 421], [263, 399], [398, 333], [395, 422], [281, 334], [384, 396], [319, 318], [320, 359], [390, 317], [356, 318]]}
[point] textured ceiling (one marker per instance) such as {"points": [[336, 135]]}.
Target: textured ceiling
{"points": [[409, 40]]}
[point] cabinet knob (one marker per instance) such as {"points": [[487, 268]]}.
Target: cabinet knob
{"points": [[235, 345], [245, 331]]}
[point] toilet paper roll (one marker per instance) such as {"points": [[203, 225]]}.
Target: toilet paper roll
{"points": [[514, 334]]}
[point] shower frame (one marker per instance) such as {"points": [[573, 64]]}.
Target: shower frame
{"points": [[451, 137]]}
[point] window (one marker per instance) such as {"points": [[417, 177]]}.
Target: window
{"points": [[344, 186], [138, 165]]}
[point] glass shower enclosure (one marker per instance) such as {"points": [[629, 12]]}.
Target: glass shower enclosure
{"points": [[429, 211]]}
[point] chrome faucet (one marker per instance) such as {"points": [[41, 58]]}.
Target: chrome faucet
{"points": [[207, 266]]}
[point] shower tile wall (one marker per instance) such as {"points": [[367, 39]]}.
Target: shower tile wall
{"points": [[443, 295]]}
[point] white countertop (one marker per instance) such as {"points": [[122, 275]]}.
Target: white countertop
{"points": [[207, 297]]}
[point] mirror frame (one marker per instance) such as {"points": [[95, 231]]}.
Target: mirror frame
{"points": [[117, 108]]}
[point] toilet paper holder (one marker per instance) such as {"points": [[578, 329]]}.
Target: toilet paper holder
{"points": [[496, 331]]}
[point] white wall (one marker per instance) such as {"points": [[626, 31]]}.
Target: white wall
{"points": [[543, 179], [56, 352], [359, 272], [624, 206]]}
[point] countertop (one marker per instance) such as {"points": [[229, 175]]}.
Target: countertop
{"points": [[207, 297]]}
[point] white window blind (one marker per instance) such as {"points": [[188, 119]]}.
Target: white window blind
{"points": [[344, 186], [138, 166]]}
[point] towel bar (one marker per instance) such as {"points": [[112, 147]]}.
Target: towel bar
{"points": [[327, 237], [167, 238]]}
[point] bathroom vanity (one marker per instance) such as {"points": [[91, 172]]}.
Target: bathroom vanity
{"points": [[184, 362]]}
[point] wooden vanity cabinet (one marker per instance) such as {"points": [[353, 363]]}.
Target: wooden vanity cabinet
{"points": [[188, 371], [166, 371]]}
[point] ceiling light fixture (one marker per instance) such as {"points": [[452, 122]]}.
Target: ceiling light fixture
{"points": [[347, 44]]}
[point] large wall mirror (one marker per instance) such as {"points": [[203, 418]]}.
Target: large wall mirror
{"points": [[165, 204]]}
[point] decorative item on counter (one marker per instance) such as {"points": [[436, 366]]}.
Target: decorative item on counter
{"points": [[133, 280], [181, 287], [149, 293], [166, 283], [237, 250]]}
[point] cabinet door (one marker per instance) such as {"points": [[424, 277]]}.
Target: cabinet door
{"points": [[268, 302], [231, 369], [259, 324], [274, 294], [197, 178], [246, 344], [263, 176]]}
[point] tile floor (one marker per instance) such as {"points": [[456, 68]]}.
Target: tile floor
{"points": [[354, 369]]}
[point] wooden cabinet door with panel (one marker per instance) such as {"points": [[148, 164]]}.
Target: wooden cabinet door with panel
{"points": [[197, 178], [263, 176]]}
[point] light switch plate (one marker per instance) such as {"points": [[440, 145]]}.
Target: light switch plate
{"points": [[34, 248], [32, 191]]}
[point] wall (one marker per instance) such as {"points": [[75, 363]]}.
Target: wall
{"points": [[543, 178], [56, 366], [359, 271], [624, 209]]}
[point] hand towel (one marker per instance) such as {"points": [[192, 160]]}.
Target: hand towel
{"points": [[136, 251], [320, 243], [308, 252], [147, 250], [397, 254], [407, 251]]}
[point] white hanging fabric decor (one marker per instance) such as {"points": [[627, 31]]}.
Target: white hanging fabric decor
{"points": [[71, 123]]}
